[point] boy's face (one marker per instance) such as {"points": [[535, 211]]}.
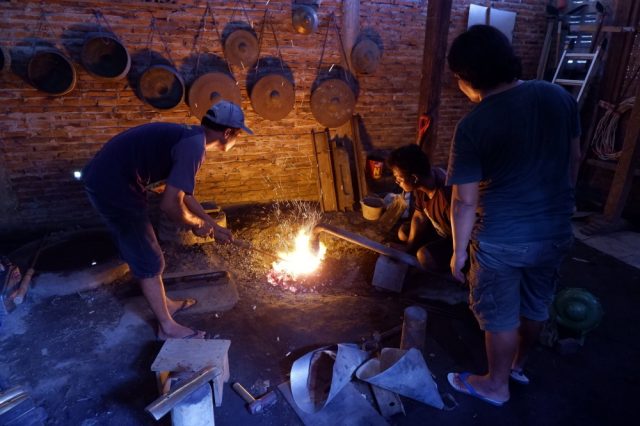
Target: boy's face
{"points": [[404, 181]]}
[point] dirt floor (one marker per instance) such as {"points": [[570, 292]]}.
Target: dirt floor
{"points": [[85, 357]]}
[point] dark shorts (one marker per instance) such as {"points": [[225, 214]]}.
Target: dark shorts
{"points": [[134, 236], [508, 281]]}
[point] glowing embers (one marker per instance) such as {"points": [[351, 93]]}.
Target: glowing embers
{"points": [[296, 265]]}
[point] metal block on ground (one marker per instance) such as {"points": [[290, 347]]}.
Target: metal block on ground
{"points": [[214, 294], [389, 274], [193, 355]]}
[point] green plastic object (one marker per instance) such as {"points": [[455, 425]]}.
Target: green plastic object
{"points": [[577, 310]]}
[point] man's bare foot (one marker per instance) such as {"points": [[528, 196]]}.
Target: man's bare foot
{"points": [[175, 306], [480, 387], [177, 331]]}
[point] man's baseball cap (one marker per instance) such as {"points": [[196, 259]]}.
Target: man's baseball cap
{"points": [[227, 114]]}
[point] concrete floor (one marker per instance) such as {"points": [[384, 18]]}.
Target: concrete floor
{"points": [[85, 357]]}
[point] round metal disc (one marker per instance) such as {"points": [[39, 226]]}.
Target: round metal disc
{"points": [[52, 72], [161, 87], [304, 19], [105, 57], [272, 97], [241, 48], [365, 56], [333, 103], [209, 89]]}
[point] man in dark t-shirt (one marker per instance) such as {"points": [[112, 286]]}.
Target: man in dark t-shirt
{"points": [[513, 166], [116, 180], [429, 232]]}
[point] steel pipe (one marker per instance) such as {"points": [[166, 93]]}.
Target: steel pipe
{"points": [[166, 402], [362, 242]]}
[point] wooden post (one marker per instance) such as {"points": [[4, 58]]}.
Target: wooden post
{"points": [[433, 58], [350, 26]]}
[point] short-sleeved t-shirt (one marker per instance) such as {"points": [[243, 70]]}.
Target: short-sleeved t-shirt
{"points": [[436, 208], [144, 155], [517, 144]]}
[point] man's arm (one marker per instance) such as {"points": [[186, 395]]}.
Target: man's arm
{"points": [[418, 225], [464, 201], [173, 205], [220, 233], [574, 160]]}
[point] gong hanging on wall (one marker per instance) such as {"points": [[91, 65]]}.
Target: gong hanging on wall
{"points": [[209, 89], [241, 48], [161, 87], [273, 97], [333, 102]]}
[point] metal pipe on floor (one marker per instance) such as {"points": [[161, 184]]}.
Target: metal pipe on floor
{"points": [[362, 242]]}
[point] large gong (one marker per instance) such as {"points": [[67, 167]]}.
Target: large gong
{"points": [[161, 87], [333, 103], [51, 72], [365, 56], [209, 89], [241, 48], [272, 97], [105, 57]]}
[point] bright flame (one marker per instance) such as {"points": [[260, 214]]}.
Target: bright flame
{"points": [[302, 260]]}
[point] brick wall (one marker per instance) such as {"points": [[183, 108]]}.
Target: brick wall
{"points": [[44, 139]]}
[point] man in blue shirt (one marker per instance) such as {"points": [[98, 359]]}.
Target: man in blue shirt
{"points": [[513, 166], [116, 180]]}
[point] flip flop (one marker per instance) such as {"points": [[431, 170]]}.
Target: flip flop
{"points": [[194, 335], [186, 304], [469, 390], [518, 376]]}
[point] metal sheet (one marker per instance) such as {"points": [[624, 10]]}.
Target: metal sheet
{"points": [[241, 48], [309, 379], [273, 97], [333, 102], [161, 87], [209, 89], [365, 56]]}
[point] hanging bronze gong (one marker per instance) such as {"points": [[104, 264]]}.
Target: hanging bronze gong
{"points": [[103, 56], [209, 89], [304, 19], [365, 56], [333, 103], [161, 87], [241, 48], [50, 71], [5, 59], [272, 97]]}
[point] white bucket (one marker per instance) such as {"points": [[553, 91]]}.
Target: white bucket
{"points": [[372, 207]]}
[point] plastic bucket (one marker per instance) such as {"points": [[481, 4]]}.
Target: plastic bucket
{"points": [[372, 207]]}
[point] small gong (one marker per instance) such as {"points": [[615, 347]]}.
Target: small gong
{"points": [[105, 57], [161, 87], [333, 102], [365, 56], [209, 89], [51, 72], [241, 48], [272, 97]]}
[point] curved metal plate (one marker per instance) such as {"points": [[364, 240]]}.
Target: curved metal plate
{"points": [[51, 72], [333, 103], [241, 48], [273, 97], [304, 19], [161, 87], [365, 56], [209, 89], [105, 57]]}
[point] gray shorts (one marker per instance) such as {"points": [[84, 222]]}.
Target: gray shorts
{"points": [[508, 281]]}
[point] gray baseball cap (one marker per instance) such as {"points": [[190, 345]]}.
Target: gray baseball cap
{"points": [[227, 114]]}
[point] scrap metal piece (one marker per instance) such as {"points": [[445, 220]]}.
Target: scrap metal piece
{"points": [[333, 102], [402, 372], [273, 97], [309, 374], [365, 56], [103, 56], [389, 403], [161, 87], [51, 72], [241, 48], [209, 89]]}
